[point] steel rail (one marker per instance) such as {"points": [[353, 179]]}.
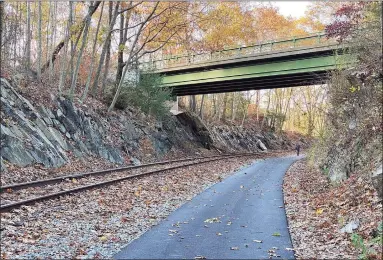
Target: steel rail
{"points": [[38, 183], [10, 206]]}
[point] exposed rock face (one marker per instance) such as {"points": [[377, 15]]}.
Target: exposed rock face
{"points": [[3, 168], [236, 138], [43, 135], [261, 145], [377, 180]]}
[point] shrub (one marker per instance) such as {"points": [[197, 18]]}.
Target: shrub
{"points": [[146, 94]]}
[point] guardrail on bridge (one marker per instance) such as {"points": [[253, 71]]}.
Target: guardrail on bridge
{"points": [[318, 39]]}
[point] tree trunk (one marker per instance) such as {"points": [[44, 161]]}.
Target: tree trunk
{"points": [[121, 45], [130, 57], [75, 73], [63, 68], [193, 104], [257, 101], [93, 57], [71, 33], [267, 109], [201, 108], [28, 32], [107, 58], [39, 51], [104, 49], [53, 28], [224, 115], [47, 34], [106, 68]]}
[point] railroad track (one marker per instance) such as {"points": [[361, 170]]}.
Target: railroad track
{"points": [[26, 193]]}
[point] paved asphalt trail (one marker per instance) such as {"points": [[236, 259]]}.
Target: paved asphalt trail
{"points": [[249, 206]]}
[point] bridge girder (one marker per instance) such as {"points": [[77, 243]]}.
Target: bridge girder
{"points": [[290, 68]]}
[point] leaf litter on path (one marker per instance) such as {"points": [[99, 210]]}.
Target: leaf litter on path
{"points": [[78, 225]]}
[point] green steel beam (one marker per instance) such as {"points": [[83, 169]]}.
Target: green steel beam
{"points": [[292, 66]]}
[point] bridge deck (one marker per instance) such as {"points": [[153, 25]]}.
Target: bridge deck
{"points": [[290, 66]]}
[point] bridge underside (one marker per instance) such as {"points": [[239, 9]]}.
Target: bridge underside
{"points": [[274, 70], [267, 82]]}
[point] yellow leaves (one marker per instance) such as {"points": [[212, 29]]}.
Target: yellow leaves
{"points": [[137, 193], [294, 189], [319, 211], [103, 239], [353, 89], [74, 181], [121, 47]]}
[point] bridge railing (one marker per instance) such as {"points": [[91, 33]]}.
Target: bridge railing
{"points": [[318, 39]]}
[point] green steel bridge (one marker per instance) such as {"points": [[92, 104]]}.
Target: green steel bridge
{"points": [[299, 61]]}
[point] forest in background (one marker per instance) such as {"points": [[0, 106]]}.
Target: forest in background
{"points": [[83, 49], [86, 49]]}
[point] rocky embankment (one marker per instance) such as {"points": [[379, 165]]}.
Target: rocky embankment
{"points": [[50, 135]]}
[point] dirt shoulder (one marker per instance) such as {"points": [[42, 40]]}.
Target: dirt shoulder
{"points": [[317, 212]]}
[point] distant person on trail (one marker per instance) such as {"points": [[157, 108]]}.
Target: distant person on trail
{"points": [[298, 148]]}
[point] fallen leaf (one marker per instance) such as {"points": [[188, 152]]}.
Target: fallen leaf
{"points": [[319, 211], [212, 220], [103, 238], [276, 234], [234, 248], [257, 241], [219, 234], [199, 257]]}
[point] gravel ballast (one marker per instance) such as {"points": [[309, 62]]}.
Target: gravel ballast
{"points": [[99, 222]]}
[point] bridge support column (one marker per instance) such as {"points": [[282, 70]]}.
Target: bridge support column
{"points": [[174, 106]]}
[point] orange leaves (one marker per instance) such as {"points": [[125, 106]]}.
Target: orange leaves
{"points": [[137, 193]]}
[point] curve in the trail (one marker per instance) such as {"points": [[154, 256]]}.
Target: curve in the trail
{"points": [[227, 221]]}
